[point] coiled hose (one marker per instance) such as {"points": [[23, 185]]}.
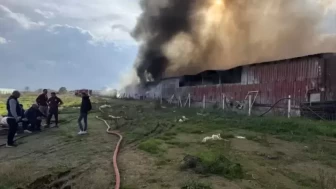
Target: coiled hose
{"points": [[116, 151]]}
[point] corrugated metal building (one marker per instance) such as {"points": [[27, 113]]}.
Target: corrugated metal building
{"points": [[307, 79]]}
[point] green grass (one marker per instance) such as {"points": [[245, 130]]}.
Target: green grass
{"points": [[192, 184], [28, 99], [153, 146], [215, 162], [295, 129]]}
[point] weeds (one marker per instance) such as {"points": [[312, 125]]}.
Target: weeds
{"points": [[153, 146], [16, 174], [302, 180], [163, 162], [195, 185], [213, 162], [216, 163], [178, 144], [260, 139], [326, 180]]}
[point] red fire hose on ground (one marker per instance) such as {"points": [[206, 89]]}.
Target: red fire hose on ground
{"points": [[116, 151]]}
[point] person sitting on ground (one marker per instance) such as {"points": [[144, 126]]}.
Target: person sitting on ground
{"points": [[13, 110], [34, 117], [85, 107], [24, 122], [54, 102]]}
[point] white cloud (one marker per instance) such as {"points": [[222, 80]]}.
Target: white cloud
{"points": [[21, 19], [62, 38], [45, 14], [99, 17], [3, 41]]}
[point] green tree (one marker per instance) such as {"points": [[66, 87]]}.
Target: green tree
{"points": [[62, 90], [27, 89]]}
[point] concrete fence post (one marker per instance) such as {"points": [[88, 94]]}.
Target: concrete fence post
{"points": [[289, 106], [250, 105], [223, 96], [189, 99], [180, 102], [203, 101]]}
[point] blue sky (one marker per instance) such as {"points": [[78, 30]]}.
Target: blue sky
{"points": [[71, 43]]}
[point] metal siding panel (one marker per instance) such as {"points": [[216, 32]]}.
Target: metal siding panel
{"points": [[302, 75], [291, 70], [275, 72], [244, 77]]}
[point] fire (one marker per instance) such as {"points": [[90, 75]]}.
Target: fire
{"points": [[197, 35], [219, 2]]}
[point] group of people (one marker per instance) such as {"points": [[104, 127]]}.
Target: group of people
{"points": [[45, 108]]}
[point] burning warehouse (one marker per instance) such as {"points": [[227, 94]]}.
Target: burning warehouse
{"points": [[308, 79], [212, 48]]}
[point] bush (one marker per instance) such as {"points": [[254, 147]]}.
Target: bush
{"points": [[211, 162], [195, 185], [153, 146], [217, 163]]}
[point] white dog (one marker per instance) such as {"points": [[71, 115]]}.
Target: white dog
{"points": [[213, 137]]}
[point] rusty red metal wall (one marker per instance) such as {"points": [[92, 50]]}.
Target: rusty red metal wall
{"points": [[274, 80], [330, 78]]}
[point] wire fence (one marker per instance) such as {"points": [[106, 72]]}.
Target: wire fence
{"points": [[287, 106]]}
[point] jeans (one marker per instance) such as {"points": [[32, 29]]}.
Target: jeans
{"points": [[13, 125], [81, 117]]}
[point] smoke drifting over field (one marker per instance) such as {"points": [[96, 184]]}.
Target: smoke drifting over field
{"points": [[188, 36]]}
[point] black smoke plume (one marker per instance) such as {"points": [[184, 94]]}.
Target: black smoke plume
{"points": [[187, 36], [159, 22]]}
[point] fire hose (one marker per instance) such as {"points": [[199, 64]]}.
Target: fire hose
{"points": [[116, 151]]}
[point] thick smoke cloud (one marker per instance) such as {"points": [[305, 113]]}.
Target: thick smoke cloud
{"points": [[188, 36]]}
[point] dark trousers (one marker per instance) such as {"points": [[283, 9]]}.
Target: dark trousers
{"points": [[82, 116], [35, 124], [25, 125], [13, 126], [52, 113]]}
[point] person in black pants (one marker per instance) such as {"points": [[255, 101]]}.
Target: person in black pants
{"points": [[84, 110], [54, 102], [14, 110], [34, 117], [24, 121]]}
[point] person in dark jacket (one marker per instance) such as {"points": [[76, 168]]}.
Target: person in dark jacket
{"points": [[54, 102], [42, 102], [85, 107], [24, 121], [34, 117], [14, 111]]}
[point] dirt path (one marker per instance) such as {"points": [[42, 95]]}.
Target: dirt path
{"points": [[58, 158]]}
